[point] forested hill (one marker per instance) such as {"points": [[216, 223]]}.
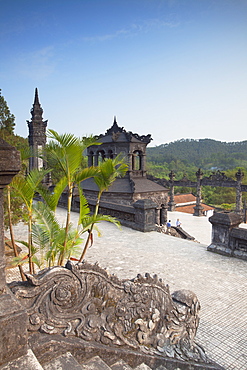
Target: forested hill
{"points": [[204, 153]]}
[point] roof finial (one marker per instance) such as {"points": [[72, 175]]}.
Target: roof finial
{"points": [[36, 98], [115, 119]]}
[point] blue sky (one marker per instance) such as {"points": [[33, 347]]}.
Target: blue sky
{"points": [[170, 68]]}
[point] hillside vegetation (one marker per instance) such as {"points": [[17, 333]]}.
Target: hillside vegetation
{"points": [[187, 155], [203, 153]]}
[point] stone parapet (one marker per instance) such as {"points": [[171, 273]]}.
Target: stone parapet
{"points": [[13, 318], [227, 238]]}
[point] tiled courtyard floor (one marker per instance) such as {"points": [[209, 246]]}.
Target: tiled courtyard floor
{"points": [[219, 282]]}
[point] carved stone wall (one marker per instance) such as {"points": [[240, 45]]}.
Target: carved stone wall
{"points": [[84, 301], [13, 318]]}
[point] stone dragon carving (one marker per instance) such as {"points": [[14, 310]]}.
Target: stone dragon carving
{"points": [[83, 300]]}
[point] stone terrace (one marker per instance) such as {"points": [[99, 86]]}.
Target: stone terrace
{"points": [[220, 282]]}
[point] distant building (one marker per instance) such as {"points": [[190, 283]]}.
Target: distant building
{"points": [[134, 185], [186, 202], [37, 134]]}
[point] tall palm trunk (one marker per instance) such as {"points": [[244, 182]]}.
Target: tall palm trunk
{"points": [[12, 234], [69, 202], [31, 265], [91, 228]]}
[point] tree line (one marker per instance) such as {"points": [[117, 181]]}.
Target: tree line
{"points": [[204, 153], [185, 156]]}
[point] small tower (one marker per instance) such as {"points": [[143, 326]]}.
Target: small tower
{"points": [[117, 140], [134, 186], [37, 134]]}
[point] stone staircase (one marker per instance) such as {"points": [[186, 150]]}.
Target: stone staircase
{"points": [[68, 362]]}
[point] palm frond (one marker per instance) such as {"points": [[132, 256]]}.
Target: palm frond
{"points": [[46, 219], [63, 140], [86, 173], [40, 236], [57, 192], [84, 208], [88, 221]]}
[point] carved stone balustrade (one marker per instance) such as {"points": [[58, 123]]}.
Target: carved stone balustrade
{"points": [[141, 315]]}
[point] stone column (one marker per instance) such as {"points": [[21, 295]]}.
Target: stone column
{"points": [[130, 161], [198, 209], [90, 159], [13, 318], [157, 216], [171, 203], [239, 176], [163, 214], [95, 159], [143, 162], [245, 209]]}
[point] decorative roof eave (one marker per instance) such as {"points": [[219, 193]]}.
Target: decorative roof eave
{"points": [[114, 131]]}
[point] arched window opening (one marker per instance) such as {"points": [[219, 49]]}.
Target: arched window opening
{"points": [[110, 154]]}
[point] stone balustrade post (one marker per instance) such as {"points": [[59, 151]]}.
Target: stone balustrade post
{"points": [[198, 209], [239, 203], [171, 203], [163, 214]]}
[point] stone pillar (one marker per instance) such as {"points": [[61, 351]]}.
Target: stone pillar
{"points": [[171, 203], [222, 224], [130, 162], [13, 318], [198, 209], [245, 209], [163, 215], [239, 176], [90, 159], [157, 216], [143, 162], [145, 215], [96, 159]]}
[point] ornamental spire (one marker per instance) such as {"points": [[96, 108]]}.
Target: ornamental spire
{"points": [[36, 97]]}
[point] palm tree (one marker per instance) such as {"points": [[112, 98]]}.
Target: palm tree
{"points": [[11, 229], [109, 170], [49, 236], [66, 151], [15, 202], [27, 187]]}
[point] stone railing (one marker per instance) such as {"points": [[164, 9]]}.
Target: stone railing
{"points": [[140, 216], [141, 315]]}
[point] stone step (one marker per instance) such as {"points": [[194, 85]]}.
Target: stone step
{"points": [[27, 362], [95, 363], [63, 362], [143, 367], [121, 365], [68, 362]]}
